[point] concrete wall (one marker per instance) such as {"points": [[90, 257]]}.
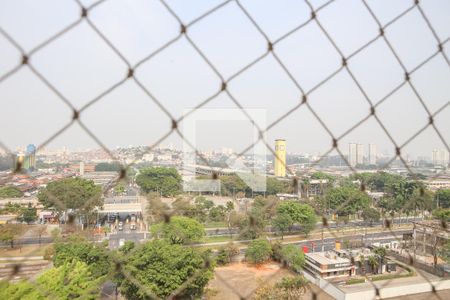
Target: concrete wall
{"points": [[326, 286]]}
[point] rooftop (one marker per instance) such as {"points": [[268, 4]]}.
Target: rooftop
{"points": [[327, 258]]}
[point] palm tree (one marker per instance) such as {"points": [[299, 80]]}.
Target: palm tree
{"points": [[373, 262], [362, 263]]}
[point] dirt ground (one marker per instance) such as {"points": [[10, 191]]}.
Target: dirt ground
{"points": [[239, 281]]}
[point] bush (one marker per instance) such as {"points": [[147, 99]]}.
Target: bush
{"points": [[293, 257], [227, 253], [355, 280], [258, 251], [49, 252], [180, 230], [289, 288], [391, 276], [79, 249], [297, 282], [276, 250], [162, 268]]}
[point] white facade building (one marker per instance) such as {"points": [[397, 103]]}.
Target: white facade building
{"points": [[360, 154], [372, 154], [352, 154], [440, 157]]}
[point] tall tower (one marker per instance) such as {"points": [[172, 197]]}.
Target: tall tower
{"points": [[280, 158], [30, 157]]}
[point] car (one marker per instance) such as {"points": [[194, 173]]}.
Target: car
{"points": [[121, 242]]}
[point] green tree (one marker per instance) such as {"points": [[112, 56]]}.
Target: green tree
{"points": [[108, 167], [156, 209], [127, 247], [282, 223], [421, 199], [226, 254], [119, 188], [78, 248], [163, 180], [22, 290], [162, 268], [29, 214], [77, 194], [233, 184], [217, 213], [10, 192], [444, 252], [346, 200], [302, 214], [373, 262], [229, 210], [10, 208], [442, 198], [258, 251], [10, 232], [252, 225], [370, 214], [73, 280], [293, 257], [275, 186], [442, 214], [179, 230]]}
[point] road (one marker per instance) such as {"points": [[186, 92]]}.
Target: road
{"points": [[331, 225], [329, 243], [126, 235]]}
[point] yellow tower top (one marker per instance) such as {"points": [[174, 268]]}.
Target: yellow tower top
{"points": [[280, 158]]}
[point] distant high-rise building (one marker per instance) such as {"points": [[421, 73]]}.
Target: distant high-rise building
{"points": [[440, 157], [372, 154], [280, 158], [355, 154], [360, 154], [352, 154]]}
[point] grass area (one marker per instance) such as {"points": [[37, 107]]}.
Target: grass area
{"points": [[215, 224], [355, 281], [390, 276], [25, 251]]}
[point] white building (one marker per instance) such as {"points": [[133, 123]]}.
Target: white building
{"points": [[355, 154], [352, 154], [148, 157], [440, 157], [360, 154], [372, 154]]}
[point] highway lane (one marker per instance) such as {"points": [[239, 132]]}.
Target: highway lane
{"points": [[331, 225], [125, 235]]}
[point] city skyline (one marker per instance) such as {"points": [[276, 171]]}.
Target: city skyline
{"points": [[180, 79], [366, 154]]}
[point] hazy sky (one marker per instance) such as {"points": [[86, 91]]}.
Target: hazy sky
{"points": [[82, 66]]}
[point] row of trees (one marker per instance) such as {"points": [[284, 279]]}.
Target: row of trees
{"points": [[10, 192], [160, 268], [168, 183], [25, 214]]}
